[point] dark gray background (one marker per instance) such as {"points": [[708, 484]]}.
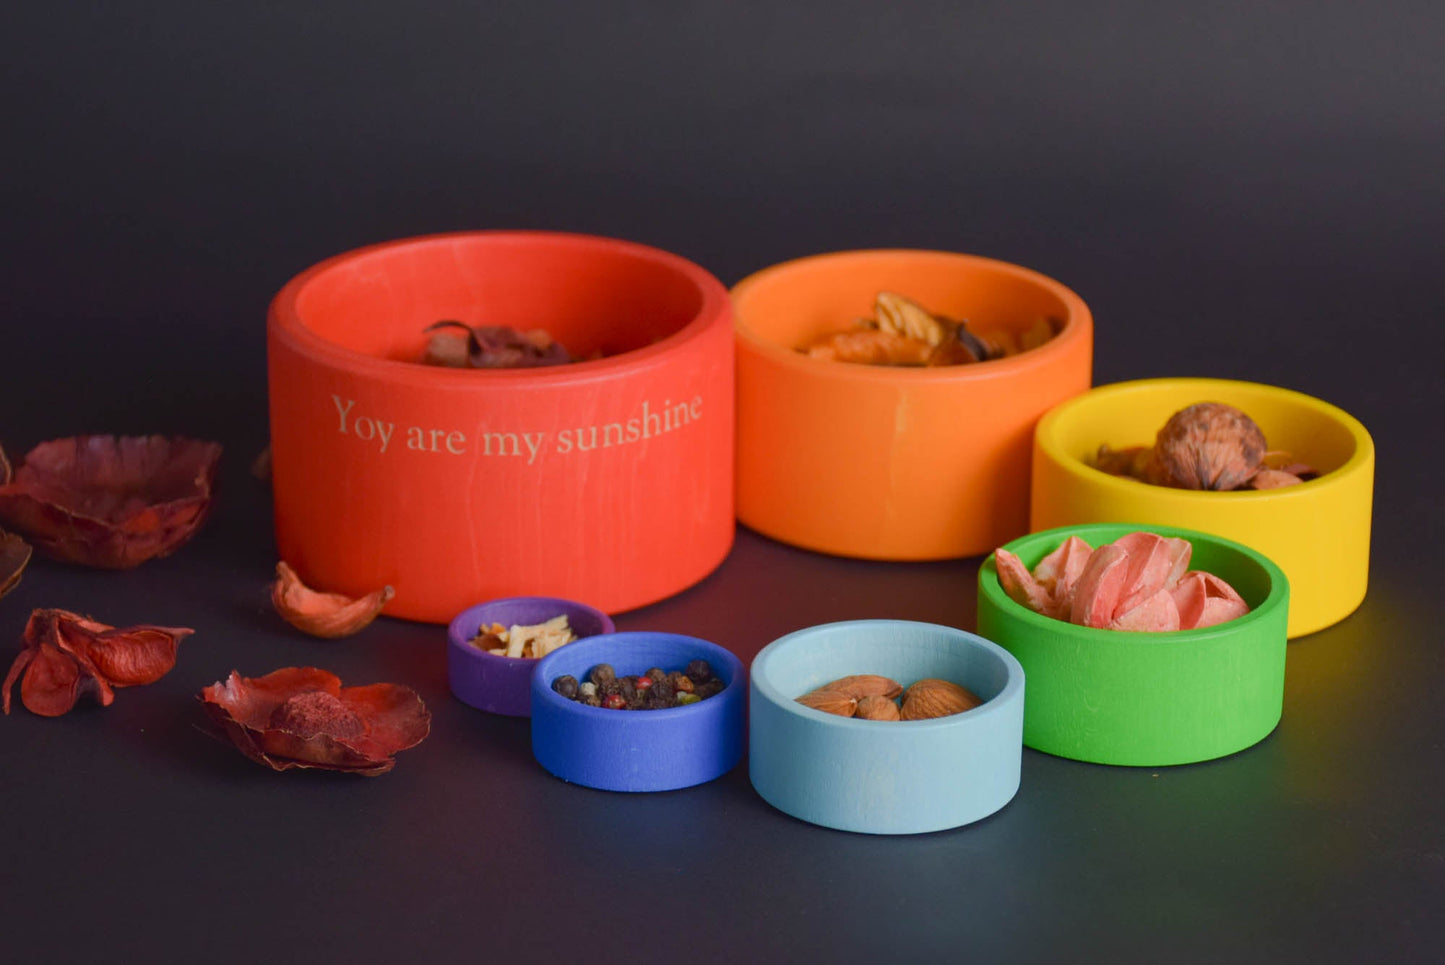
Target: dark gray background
{"points": [[1242, 190]]}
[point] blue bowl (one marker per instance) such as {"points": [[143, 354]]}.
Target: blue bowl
{"points": [[885, 777], [503, 685], [637, 750]]}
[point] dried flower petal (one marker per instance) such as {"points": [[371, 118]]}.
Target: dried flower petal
{"points": [[323, 614], [110, 501], [66, 654], [301, 717]]}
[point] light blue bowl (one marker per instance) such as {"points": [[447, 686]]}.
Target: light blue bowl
{"points": [[885, 777]]}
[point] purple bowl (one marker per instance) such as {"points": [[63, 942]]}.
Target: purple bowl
{"points": [[502, 685]]}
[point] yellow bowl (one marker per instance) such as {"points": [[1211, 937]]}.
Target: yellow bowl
{"points": [[1318, 532]]}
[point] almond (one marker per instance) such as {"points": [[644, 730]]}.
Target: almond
{"points": [[875, 707], [830, 701], [867, 685], [932, 697]]}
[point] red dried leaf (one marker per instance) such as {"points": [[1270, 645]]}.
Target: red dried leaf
{"points": [[301, 717], [111, 501], [66, 654]]}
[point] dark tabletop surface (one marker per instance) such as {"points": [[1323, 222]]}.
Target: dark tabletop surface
{"points": [[1242, 191]]}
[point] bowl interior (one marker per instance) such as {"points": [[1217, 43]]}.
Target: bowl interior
{"points": [[632, 652], [793, 303], [905, 651], [1132, 413], [584, 620], [593, 295]]}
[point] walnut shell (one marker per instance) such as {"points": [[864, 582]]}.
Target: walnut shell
{"points": [[877, 707], [932, 697], [1208, 445], [830, 701]]}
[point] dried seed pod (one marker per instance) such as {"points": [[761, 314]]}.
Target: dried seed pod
{"points": [[301, 717], [866, 685], [1208, 445], [830, 701], [877, 707], [323, 614], [109, 501], [66, 655]]}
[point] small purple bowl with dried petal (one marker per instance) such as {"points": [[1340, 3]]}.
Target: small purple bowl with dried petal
{"points": [[499, 684]]}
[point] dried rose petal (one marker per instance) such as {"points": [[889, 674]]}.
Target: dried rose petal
{"points": [[66, 655], [111, 501], [323, 614], [301, 717]]}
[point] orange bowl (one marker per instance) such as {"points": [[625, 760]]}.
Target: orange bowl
{"points": [[895, 463], [607, 481]]}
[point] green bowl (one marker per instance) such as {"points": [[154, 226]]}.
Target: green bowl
{"points": [[1146, 699]]}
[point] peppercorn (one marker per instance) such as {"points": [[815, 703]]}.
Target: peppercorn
{"points": [[627, 687], [700, 671], [681, 681], [614, 702], [566, 685], [683, 699], [602, 673], [644, 683], [664, 691], [656, 673]]}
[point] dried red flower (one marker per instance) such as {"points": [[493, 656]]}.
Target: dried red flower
{"points": [[67, 654], [301, 717], [111, 501]]}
